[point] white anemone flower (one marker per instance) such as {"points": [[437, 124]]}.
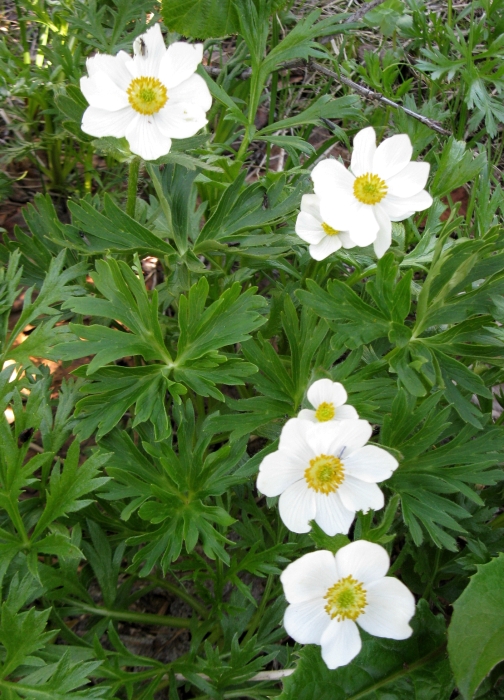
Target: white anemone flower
{"points": [[329, 400], [310, 227], [148, 99], [325, 472], [382, 186], [329, 594]]}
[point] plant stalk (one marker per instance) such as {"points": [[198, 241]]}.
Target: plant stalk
{"points": [[134, 168]]}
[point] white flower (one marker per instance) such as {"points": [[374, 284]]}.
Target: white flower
{"points": [[150, 98], [328, 594], [381, 186], [325, 472], [329, 400], [311, 227]]}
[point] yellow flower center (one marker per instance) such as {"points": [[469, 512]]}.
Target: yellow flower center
{"points": [[324, 474], [346, 600], [325, 411], [147, 95], [328, 230], [369, 188]]}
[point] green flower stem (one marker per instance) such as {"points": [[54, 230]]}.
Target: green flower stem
{"points": [[274, 87], [134, 168], [259, 614], [22, 32], [130, 616], [180, 593]]}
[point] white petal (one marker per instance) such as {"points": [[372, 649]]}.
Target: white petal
{"points": [[346, 240], [352, 435], [384, 236], [365, 561], [364, 147], [332, 516], [390, 606], [297, 507], [113, 66], [392, 156], [327, 438], [339, 210], [147, 61], [306, 622], [180, 121], [193, 90], [306, 414], [179, 63], [410, 180], [310, 204], [371, 464], [360, 495], [326, 391], [330, 178], [339, 395], [278, 471], [363, 226], [346, 412], [327, 246], [340, 643], [309, 577], [404, 215], [101, 122], [102, 92], [294, 439], [308, 228], [146, 140], [398, 208]]}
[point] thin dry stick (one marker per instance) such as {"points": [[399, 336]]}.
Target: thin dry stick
{"points": [[366, 7], [377, 96], [261, 676]]}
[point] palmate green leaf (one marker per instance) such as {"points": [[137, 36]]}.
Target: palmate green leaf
{"points": [[54, 289], [40, 343], [58, 681], [93, 232], [202, 19], [413, 669], [476, 632], [105, 564], [227, 321], [456, 167], [68, 485], [241, 208], [282, 384], [438, 461], [199, 365], [114, 389], [37, 249], [21, 633], [172, 489], [127, 301]]}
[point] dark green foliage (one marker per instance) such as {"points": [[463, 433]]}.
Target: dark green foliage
{"points": [[192, 327]]}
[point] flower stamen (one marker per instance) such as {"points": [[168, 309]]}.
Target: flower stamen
{"points": [[329, 230], [369, 188], [346, 600], [147, 95], [325, 412], [325, 474]]}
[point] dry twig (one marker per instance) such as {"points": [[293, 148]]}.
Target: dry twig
{"points": [[378, 97]]}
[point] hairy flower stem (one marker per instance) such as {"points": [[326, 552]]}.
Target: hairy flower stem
{"points": [[134, 168]]}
